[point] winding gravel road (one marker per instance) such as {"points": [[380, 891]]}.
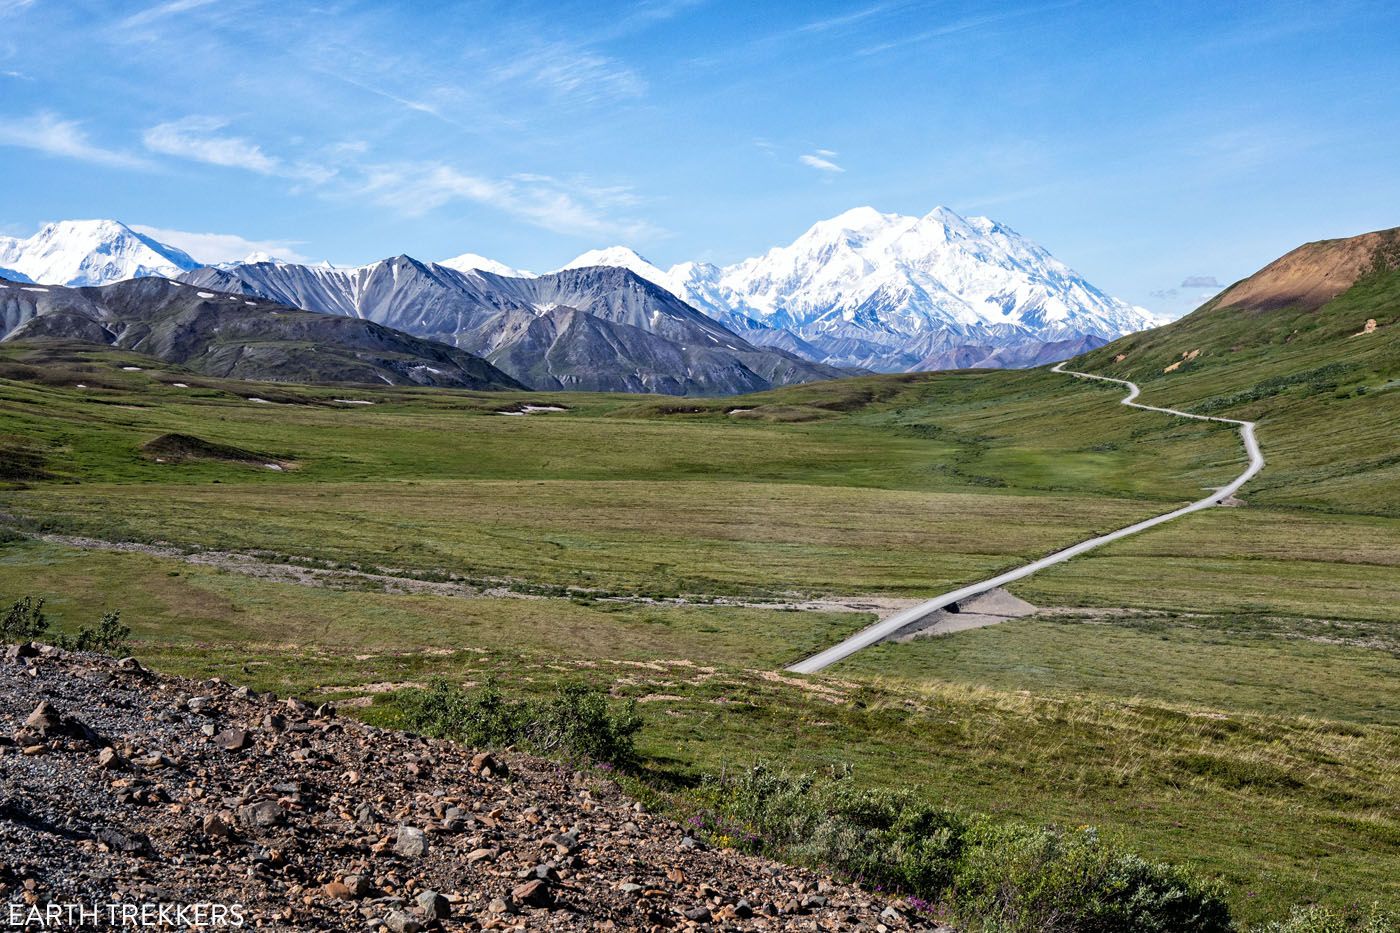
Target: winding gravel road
{"points": [[887, 627]]}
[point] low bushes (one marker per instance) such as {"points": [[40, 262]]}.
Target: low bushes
{"points": [[982, 876], [974, 873], [25, 621], [109, 636], [575, 721], [1316, 919]]}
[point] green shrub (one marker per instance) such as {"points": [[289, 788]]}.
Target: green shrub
{"points": [[1322, 379], [24, 620], [443, 709], [575, 721], [992, 878], [579, 721], [885, 839], [1315, 919], [109, 637], [1020, 878]]}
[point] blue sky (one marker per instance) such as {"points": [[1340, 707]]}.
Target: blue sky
{"points": [[1149, 145]]}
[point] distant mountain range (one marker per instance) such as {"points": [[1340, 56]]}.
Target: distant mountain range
{"points": [[862, 291], [594, 329], [219, 334], [892, 293]]}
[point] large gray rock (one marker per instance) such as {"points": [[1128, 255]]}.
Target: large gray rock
{"points": [[411, 842]]}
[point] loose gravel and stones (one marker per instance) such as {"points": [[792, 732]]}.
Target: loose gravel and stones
{"points": [[119, 785]]}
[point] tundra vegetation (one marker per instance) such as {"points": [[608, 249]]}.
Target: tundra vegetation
{"points": [[1217, 696]]}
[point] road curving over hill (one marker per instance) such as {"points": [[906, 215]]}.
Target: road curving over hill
{"points": [[901, 620]]}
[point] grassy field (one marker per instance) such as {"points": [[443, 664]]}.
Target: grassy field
{"points": [[899, 485], [1273, 665], [1263, 561], [1214, 765], [682, 536], [1229, 698]]}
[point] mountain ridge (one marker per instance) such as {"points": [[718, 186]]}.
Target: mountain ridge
{"points": [[641, 338], [1313, 274], [226, 335], [864, 289], [887, 291], [1320, 375]]}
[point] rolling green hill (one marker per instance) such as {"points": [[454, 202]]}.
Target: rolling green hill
{"points": [[1310, 348]]}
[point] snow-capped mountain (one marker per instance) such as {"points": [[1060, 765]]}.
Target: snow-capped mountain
{"points": [[90, 252], [891, 292], [865, 289], [622, 257], [471, 262], [592, 329], [694, 283]]}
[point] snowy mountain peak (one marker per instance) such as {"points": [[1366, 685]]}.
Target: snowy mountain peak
{"points": [[949, 221], [855, 227], [91, 252], [946, 216], [864, 288], [472, 262], [858, 218], [623, 257], [894, 292]]}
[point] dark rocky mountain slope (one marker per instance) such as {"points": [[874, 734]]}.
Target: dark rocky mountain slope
{"points": [[225, 335], [601, 329]]}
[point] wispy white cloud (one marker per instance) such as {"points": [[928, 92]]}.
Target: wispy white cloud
{"points": [[573, 73], [14, 6], [408, 103], [641, 17], [48, 133], [821, 161], [195, 138], [223, 247], [578, 209], [603, 196], [161, 10], [537, 75], [574, 205], [843, 20], [1172, 302], [198, 139], [966, 24]]}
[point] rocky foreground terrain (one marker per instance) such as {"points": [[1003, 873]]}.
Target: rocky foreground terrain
{"points": [[121, 786]]}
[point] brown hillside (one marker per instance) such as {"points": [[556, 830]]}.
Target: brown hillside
{"points": [[1313, 274]]}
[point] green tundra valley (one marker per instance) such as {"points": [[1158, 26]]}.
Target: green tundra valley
{"points": [[1219, 692]]}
